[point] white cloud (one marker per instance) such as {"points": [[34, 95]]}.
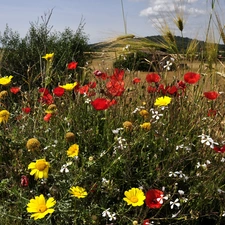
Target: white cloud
{"points": [[161, 7]]}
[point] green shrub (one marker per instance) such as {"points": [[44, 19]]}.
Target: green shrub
{"points": [[135, 61], [22, 57]]}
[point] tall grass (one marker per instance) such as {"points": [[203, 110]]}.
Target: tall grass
{"points": [[125, 141]]}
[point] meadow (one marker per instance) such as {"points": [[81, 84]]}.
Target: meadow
{"points": [[93, 144]]}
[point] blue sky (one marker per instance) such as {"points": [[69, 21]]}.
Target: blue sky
{"points": [[103, 18]]}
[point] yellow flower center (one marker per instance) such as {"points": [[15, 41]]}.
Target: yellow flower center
{"points": [[40, 165], [42, 208], [78, 194], [134, 199]]}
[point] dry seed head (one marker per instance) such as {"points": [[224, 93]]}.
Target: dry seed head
{"points": [[3, 94], [70, 136], [52, 107], [179, 23], [33, 144], [128, 125], [170, 36]]}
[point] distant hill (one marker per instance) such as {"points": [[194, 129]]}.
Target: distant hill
{"points": [[182, 42], [149, 42]]}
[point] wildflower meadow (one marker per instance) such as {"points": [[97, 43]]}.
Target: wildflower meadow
{"points": [[83, 145]]}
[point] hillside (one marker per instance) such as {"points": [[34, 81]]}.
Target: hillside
{"points": [[143, 43]]}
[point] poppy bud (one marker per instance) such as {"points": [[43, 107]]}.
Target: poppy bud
{"points": [[24, 181]]}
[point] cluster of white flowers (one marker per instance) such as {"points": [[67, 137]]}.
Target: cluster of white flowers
{"points": [[64, 167], [116, 131], [107, 213], [121, 144], [155, 114], [182, 146], [179, 174], [203, 165], [87, 100], [55, 142], [175, 203], [207, 140], [169, 63], [138, 109]]}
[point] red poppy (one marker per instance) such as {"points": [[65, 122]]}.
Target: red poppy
{"points": [[82, 89], [24, 181], [172, 90], [181, 85], [112, 102], [44, 91], [26, 110], [153, 77], [47, 117], [115, 88], [59, 91], [92, 84], [46, 99], [117, 75], [136, 80], [100, 103], [154, 198], [219, 149], [212, 112], [146, 222], [101, 75], [191, 77], [151, 89], [72, 66], [212, 95], [14, 90]]}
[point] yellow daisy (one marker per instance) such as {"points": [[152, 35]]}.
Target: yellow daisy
{"points": [[69, 87], [134, 197], [78, 192], [5, 80], [4, 116], [162, 101], [73, 150], [40, 207], [48, 57], [146, 126], [39, 169]]}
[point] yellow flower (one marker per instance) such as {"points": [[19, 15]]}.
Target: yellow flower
{"points": [[144, 113], [4, 116], [73, 150], [128, 125], [78, 192], [39, 169], [48, 57], [146, 126], [5, 80], [162, 101], [40, 207], [134, 197], [33, 144], [69, 87]]}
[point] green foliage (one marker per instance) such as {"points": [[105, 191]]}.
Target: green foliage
{"points": [[22, 57], [134, 61]]}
